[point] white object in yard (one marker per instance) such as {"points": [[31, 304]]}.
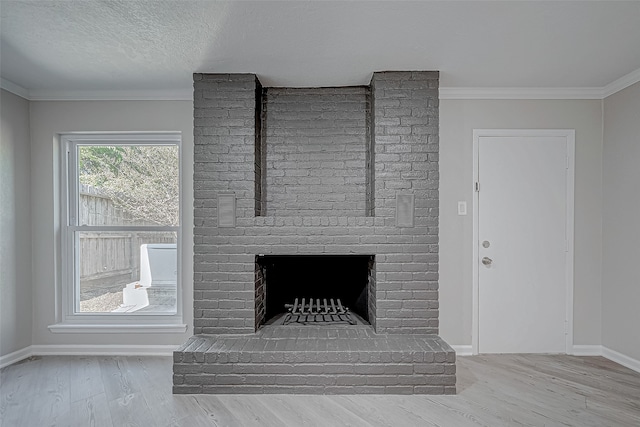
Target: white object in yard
{"points": [[158, 271], [134, 296], [158, 264]]}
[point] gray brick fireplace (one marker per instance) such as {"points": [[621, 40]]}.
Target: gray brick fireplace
{"points": [[303, 175]]}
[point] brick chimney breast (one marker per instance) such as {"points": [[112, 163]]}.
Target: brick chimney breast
{"points": [[316, 172]]}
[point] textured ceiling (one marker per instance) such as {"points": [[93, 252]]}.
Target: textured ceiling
{"points": [[157, 45]]}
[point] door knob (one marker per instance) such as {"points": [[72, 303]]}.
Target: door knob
{"points": [[487, 261]]}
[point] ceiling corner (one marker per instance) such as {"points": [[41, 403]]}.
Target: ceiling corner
{"points": [[622, 83], [14, 88]]}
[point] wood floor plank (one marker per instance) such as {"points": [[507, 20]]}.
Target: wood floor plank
{"points": [[131, 411], [289, 411], [543, 401], [199, 410], [327, 412], [92, 411], [165, 407], [50, 401], [126, 402], [493, 390], [435, 413], [216, 412], [150, 371], [116, 378], [17, 383], [369, 409], [546, 399], [86, 378], [250, 411], [491, 406], [194, 421]]}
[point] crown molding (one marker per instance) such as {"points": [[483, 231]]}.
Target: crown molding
{"points": [[622, 83], [541, 93], [14, 88], [520, 93], [445, 92], [111, 95], [97, 95]]}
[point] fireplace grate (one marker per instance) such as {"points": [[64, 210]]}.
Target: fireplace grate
{"points": [[318, 312]]}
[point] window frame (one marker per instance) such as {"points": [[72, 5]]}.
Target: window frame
{"points": [[72, 320]]}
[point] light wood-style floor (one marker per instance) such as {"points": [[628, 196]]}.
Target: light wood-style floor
{"points": [[493, 390]]}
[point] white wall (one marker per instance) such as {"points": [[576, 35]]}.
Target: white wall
{"points": [[621, 223], [15, 225], [54, 117], [458, 118]]}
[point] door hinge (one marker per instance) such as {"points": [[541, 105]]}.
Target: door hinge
{"points": [[566, 327], [477, 186], [567, 162]]}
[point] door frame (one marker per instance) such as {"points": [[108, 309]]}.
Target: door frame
{"points": [[569, 135]]}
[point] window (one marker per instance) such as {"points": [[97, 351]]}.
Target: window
{"points": [[121, 228]]}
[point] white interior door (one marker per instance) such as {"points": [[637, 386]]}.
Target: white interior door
{"points": [[523, 241]]}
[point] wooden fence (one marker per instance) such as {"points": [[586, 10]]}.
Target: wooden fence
{"points": [[108, 260], [97, 208]]}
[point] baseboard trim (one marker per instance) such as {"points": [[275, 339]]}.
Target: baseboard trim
{"points": [[621, 359], [600, 350], [167, 350], [103, 350], [586, 350], [16, 356], [87, 350], [66, 328], [462, 350]]}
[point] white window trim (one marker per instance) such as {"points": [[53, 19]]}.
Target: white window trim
{"points": [[70, 321]]}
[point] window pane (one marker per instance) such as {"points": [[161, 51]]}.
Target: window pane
{"points": [[128, 185], [128, 272]]}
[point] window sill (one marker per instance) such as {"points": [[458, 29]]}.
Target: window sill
{"points": [[73, 328]]}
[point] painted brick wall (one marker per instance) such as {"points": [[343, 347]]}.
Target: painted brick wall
{"points": [[405, 133], [404, 138], [406, 142], [224, 145], [316, 151]]}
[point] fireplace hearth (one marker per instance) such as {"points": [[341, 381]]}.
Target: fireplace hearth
{"points": [[316, 193]]}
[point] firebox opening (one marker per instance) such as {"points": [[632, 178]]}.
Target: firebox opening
{"points": [[347, 278]]}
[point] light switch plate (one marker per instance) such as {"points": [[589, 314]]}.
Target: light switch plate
{"points": [[462, 208]]}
